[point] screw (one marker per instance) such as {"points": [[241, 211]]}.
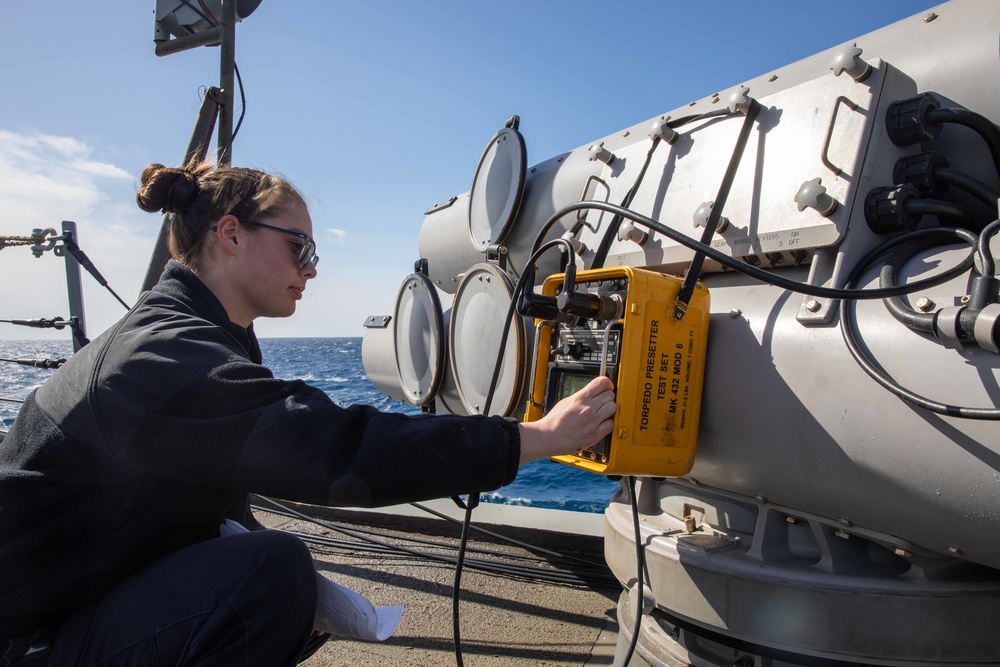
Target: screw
{"points": [[924, 305], [902, 552], [813, 306], [956, 551], [735, 312], [930, 17]]}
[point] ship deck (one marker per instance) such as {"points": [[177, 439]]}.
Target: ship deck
{"points": [[506, 619]]}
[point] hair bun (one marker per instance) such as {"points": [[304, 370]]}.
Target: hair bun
{"points": [[166, 189]]}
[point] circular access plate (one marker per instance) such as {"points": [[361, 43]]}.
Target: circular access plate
{"points": [[419, 339], [497, 188], [477, 321]]}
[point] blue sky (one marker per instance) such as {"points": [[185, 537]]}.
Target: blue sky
{"points": [[374, 110]]}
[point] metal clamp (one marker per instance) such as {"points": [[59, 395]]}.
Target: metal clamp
{"points": [[38, 236]]}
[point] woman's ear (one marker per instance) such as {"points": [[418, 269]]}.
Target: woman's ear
{"points": [[227, 234]]}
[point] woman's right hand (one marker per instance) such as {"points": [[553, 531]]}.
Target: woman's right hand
{"points": [[574, 423]]}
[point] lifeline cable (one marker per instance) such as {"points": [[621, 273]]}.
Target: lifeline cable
{"points": [[13, 241], [36, 363]]}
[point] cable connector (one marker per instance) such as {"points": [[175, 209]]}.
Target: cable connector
{"points": [[907, 123], [957, 325], [57, 323]]}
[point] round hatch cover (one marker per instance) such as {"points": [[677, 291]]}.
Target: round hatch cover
{"points": [[419, 339], [477, 320], [497, 188]]}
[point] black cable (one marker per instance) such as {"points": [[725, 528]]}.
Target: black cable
{"points": [[358, 532], [512, 571], [243, 98], [752, 271], [552, 575], [694, 269], [463, 542], [510, 540], [518, 288], [983, 249], [912, 319], [958, 214], [639, 568], [974, 121], [601, 253], [849, 332], [243, 106], [474, 498], [973, 186], [84, 261]]}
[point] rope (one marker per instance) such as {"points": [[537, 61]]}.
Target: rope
{"points": [[12, 241]]}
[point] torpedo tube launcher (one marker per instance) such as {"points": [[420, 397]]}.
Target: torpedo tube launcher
{"points": [[619, 322]]}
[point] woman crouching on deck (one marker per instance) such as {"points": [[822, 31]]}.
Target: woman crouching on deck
{"points": [[119, 470]]}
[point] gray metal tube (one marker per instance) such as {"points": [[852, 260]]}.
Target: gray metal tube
{"points": [[227, 80], [197, 149], [204, 38], [74, 289]]}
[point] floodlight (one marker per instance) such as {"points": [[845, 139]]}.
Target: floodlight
{"points": [[182, 18]]}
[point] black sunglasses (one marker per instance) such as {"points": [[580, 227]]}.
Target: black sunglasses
{"points": [[307, 254]]}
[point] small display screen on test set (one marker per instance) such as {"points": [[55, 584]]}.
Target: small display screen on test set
{"points": [[570, 383]]}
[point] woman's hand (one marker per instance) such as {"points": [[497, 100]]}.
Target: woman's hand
{"points": [[574, 423]]}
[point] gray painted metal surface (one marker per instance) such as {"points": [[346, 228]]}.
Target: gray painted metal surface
{"points": [[834, 521]]}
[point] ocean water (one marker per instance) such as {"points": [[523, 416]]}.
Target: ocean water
{"points": [[334, 365]]}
